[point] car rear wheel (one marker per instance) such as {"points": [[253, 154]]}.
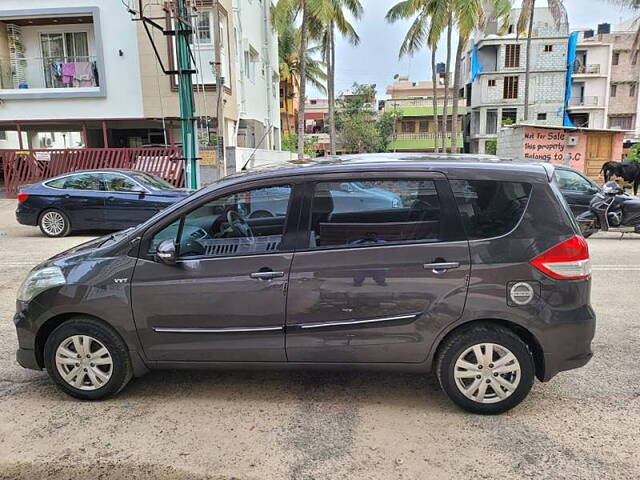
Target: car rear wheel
{"points": [[54, 223], [87, 360], [486, 369]]}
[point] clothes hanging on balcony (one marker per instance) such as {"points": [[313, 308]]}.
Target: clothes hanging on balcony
{"points": [[84, 76], [68, 72], [56, 70]]}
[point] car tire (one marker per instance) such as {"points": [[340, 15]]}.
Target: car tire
{"points": [[54, 223], [90, 369], [493, 384]]}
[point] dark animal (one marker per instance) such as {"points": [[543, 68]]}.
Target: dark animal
{"points": [[629, 172]]}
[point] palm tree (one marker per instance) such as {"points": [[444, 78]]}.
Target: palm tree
{"points": [[335, 19], [525, 23], [310, 13], [288, 48], [431, 20], [470, 15]]}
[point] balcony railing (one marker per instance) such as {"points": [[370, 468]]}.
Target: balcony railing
{"points": [[422, 136], [590, 69], [49, 73], [416, 102], [583, 102]]}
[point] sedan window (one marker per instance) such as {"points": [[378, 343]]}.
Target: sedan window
{"points": [[83, 181], [572, 181], [119, 183]]}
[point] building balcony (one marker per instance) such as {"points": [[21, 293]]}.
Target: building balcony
{"points": [[421, 141], [589, 69], [57, 73], [584, 102]]}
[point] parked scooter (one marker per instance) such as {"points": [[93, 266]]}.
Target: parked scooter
{"points": [[611, 210]]}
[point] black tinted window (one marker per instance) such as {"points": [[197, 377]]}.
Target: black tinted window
{"points": [[489, 208], [374, 212], [83, 181]]}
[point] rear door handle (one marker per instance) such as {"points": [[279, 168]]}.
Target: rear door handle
{"points": [[266, 275], [441, 267]]}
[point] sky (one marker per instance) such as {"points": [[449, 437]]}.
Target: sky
{"points": [[375, 60]]}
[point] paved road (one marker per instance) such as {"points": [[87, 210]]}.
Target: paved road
{"points": [[195, 425]]}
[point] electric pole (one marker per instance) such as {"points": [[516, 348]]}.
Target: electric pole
{"points": [[220, 154], [185, 93]]}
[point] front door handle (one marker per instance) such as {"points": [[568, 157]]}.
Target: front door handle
{"points": [[441, 267], [266, 275]]}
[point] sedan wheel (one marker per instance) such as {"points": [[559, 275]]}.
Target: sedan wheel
{"points": [[84, 362], [54, 223]]}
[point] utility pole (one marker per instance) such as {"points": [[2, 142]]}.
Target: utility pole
{"points": [[185, 93], [220, 154]]}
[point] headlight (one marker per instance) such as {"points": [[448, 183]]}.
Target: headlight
{"points": [[40, 280]]}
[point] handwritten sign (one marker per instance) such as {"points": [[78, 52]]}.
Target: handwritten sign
{"points": [[550, 147]]}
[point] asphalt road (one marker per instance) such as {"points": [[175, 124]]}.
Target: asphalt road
{"points": [[272, 425]]}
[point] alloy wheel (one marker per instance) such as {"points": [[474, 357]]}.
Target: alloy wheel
{"points": [[53, 223], [487, 373], [84, 362]]}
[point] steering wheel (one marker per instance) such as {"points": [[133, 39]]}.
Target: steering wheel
{"points": [[234, 227]]}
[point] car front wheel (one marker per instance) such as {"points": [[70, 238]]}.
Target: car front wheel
{"points": [[486, 369], [87, 359], [54, 223]]}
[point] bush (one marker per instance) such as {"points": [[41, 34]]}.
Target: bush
{"points": [[491, 147]]}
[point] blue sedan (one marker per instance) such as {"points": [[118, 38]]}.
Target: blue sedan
{"points": [[94, 200]]}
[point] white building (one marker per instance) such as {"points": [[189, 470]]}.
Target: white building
{"points": [[589, 102], [258, 76]]}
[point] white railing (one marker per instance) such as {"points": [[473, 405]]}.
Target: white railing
{"points": [[583, 102]]}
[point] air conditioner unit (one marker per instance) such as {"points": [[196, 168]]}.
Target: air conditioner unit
{"points": [[572, 141]]}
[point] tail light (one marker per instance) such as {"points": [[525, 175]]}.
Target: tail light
{"points": [[568, 260], [22, 196]]}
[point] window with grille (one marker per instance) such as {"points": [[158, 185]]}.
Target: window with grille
{"points": [[623, 123], [510, 87], [512, 56], [408, 127], [424, 126]]}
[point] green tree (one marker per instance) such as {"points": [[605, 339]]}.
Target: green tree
{"points": [[430, 19], [288, 48], [311, 14], [290, 143], [525, 24], [335, 20], [358, 127]]}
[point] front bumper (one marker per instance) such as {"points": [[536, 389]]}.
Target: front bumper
{"points": [[27, 359]]}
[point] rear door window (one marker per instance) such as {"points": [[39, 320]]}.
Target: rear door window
{"points": [[374, 213], [490, 208], [83, 181]]}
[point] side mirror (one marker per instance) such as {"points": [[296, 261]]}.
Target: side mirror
{"points": [[166, 252]]}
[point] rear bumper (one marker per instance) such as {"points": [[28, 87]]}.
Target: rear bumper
{"points": [[568, 346], [26, 216]]}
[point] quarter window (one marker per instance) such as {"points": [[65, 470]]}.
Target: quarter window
{"points": [[571, 181], [489, 208], [374, 213], [243, 223]]}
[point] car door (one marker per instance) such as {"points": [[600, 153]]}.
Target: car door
{"points": [[128, 203], [224, 300], [82, 198], [576, 189], [367, 285]]}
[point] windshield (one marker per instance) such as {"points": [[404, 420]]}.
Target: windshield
{"points": [[151, 181]]}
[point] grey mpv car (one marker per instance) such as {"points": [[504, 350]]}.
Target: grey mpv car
{"points": [[476, 270]]}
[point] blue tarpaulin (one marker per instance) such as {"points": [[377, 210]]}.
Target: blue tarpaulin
{"points": [[571, 59], [476, 68]]}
